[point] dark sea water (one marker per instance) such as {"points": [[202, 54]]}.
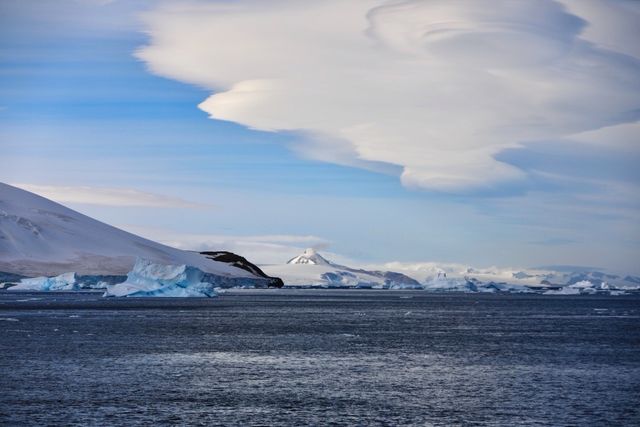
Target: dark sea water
{"points": [[316, 357]]}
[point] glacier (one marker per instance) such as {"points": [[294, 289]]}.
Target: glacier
{"points": [[150, 279]]}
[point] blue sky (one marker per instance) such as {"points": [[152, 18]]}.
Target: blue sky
{"points": [[94, 101]]}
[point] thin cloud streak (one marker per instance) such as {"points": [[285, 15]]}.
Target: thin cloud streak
{"points": [[109, 196], [262, 249]]}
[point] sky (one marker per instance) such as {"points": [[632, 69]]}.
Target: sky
{"points": [[484, 133]]}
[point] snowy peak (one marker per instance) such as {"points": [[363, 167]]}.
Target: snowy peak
{"points": [[311, 269], [309, 256]]}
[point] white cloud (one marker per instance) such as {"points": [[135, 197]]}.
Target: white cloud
{"points": [[427, 270], [261, 249], [436, 88], [624, 137], [613, 24], [108, 196]]}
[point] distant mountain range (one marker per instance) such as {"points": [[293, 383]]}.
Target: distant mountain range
{"points": [[442, 276], [39, 237], [310, 269]]}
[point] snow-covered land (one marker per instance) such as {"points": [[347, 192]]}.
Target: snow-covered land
{"points": [[39, 237], [149, 279], [553, 280], [311, 269]]}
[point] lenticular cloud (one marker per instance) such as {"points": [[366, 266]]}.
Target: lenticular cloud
{"points": [[437, 87]]}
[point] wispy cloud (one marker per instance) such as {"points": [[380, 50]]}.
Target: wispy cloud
{"points": [[263, 249], [622, 137], [436, 89], [109, 196]]}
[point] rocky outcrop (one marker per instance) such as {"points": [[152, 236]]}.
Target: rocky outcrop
{"points": [[241, 262]]}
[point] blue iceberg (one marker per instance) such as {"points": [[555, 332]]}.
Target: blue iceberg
{"points": [[63, 282], [150, 279]]}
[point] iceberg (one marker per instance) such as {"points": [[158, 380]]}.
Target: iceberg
{"points": [[403, 286], [583, 284], [586, 287], [442, 284], [567, 290], [66, 282], [150, 279], [504, 287], [471, 285], [63, 282]]}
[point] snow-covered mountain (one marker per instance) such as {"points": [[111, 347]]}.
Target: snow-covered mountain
{"points": [[41, 237], [310, 269], [309, 256]]}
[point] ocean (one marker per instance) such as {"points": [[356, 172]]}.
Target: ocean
{"points": [[320, 357]]}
